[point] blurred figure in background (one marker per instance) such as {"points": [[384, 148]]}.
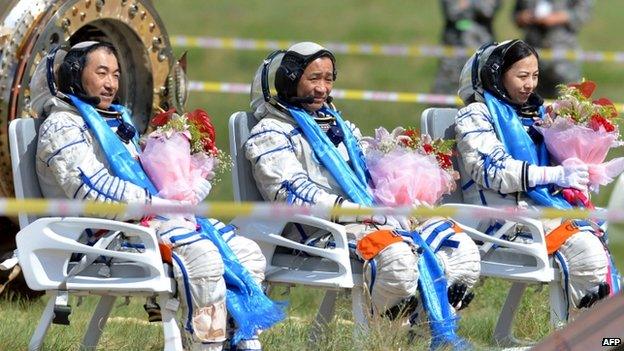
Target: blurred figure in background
{"points": [[553, 24], [468, 23]]}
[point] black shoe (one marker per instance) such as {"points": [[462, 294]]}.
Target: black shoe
{"points": [[591, 298], [402, 309], [153, 311], [457, 296]]}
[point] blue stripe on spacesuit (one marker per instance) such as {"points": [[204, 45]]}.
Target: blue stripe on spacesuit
{"points": [[63, 148], [493, 160], [469, 113], [287, 135], [566, 273], [170, 230], [91, 187], [272, 151], [373, 266], [468, 184], [226, 228], [187, 293], [300, 188], [110, 187], [482, 197], [117, 188], [180, 237], [440, 228], [61, 127], [477, 131]]}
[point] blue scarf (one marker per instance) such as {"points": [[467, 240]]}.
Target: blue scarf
{"points": [[520, 146], [352, 179], [354, 182], [246, 302]]}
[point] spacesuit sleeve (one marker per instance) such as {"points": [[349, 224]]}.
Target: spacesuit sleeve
{"points": [[68, 153], [279, 174], [484, 156]]}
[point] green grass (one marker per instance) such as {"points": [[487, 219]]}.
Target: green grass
{"points": [[355, 21], [128, 329]]}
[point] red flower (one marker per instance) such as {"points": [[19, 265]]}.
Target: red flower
{"points": [[586, 88], [444, 160], [596, 121], [607, 103], [202, 121], [411, 133], [162, 118], [428, 148]]}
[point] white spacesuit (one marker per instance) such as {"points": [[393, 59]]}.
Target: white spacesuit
{"points": [[71, 164], [497, 179], [286, 168]]}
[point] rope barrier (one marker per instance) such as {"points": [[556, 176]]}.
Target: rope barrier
{"points": [[265, 210], [349, 94], [439, 51]]}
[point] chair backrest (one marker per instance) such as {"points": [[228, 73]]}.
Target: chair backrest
{"points": [[243, 182], [23, 134], [439, 122]]}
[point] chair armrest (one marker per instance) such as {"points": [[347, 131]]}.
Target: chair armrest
{"points": [[46, 245]]}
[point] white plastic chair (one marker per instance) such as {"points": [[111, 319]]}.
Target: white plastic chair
{"points": [[45, 247], [326, 268], [521, 263]]}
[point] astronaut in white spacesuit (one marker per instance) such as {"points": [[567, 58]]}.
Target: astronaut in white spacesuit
{"points": [[287, 168], [71, 163], [502, 77]]}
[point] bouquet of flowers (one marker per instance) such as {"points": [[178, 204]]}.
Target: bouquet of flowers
{"points": [[180, 153], [578, 129], [407, 168]]}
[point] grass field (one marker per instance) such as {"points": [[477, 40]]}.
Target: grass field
{"points": [[387, 22]]}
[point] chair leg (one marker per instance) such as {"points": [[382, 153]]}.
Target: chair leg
{"points": [[36, 341], [171, 331], [98, 322], [325, 314], [558, 305], [503, 334], [359, 310]]}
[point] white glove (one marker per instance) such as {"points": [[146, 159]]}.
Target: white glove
{"points": [[575, 175], [201, 190]]}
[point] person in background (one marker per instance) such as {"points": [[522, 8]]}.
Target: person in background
{"points": [[467, 23], [555, 25]]}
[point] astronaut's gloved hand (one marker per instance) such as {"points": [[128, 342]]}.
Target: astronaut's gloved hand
{"points": [[201, 190], [400, 222], [572, 174], [457, 296]]}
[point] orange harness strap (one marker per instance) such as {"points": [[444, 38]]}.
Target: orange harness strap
{"points": [[372, 244], [166, 252], [559, 235]]}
